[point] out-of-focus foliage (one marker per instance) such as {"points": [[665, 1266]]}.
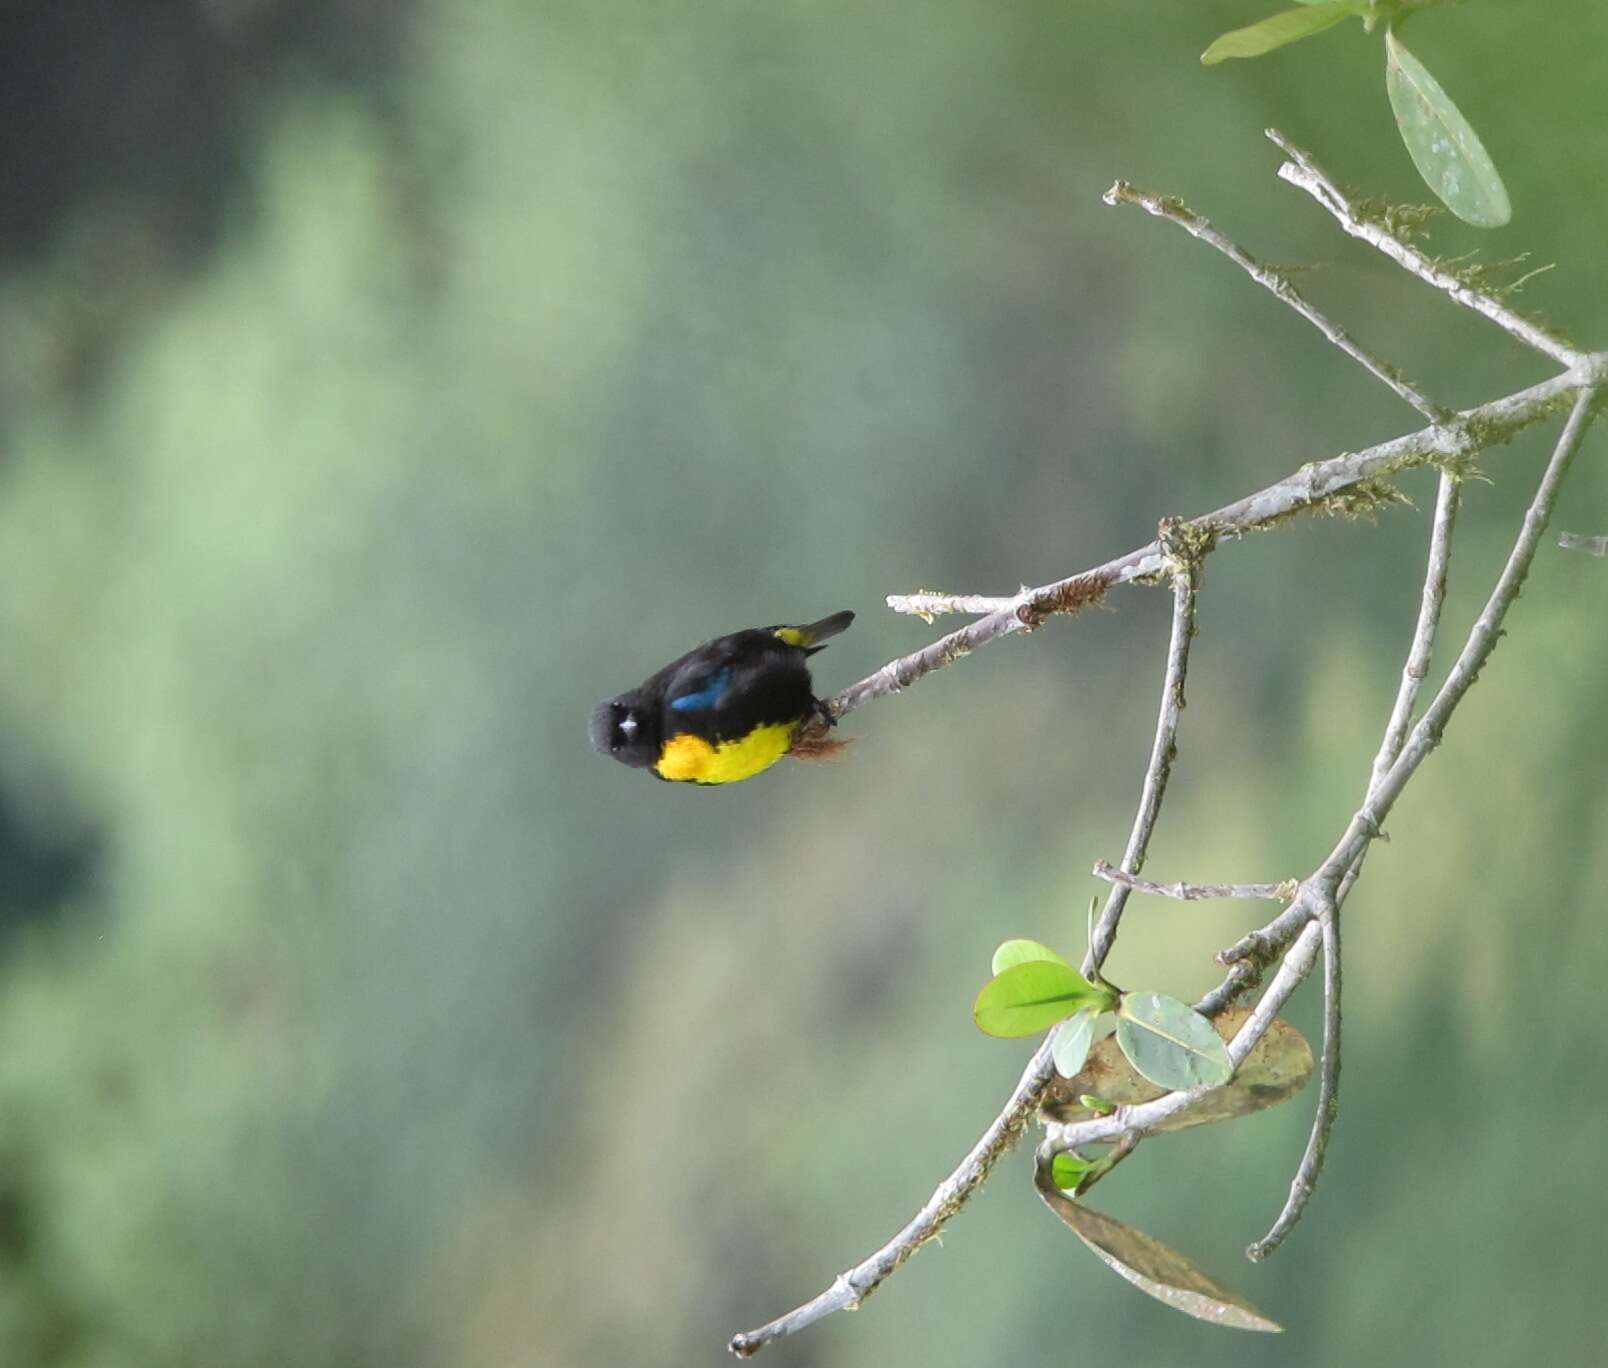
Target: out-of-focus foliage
{"points": [[352, 1012]]}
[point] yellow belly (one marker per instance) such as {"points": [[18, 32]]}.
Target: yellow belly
{"points": [[691, 758]]}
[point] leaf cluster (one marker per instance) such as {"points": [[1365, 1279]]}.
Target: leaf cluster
{"points": [[1442, 143]]}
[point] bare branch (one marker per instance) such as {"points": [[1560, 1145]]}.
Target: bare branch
{"points": [[1592, 546], [1174, 210], [1310, 487], [851, 1288], [927, 605], [1294, 936], [1317, 1147], [1483, 636], [1393, 767], [1162, 751], [1429, 611], [1304, 173], [1187, 892]]}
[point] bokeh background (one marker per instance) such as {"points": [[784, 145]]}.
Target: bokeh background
{"points": [[381, 384]]}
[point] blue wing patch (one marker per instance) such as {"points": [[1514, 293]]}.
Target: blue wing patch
{"points": [[706, 697]]}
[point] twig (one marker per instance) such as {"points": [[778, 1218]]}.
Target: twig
{"points": [[1482, 637], [1188, 892], [927, 604], [851, 1288], [1412, 677], [1592, 546], [1173, 209], [1309, 487], [1429, 610], [1393, 767], [1162, 751], [1306, 1174], [1304, 173]]}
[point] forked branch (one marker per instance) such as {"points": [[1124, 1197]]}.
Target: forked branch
{"points": [[1310, 922]]}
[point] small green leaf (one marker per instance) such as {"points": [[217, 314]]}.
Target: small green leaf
{"points": [[1073, 1039], [1278, 1068], [1278, 30], [1067, 1170], [1444, 147], [1022, 952], [1151, 1266], [1029, 997], [1170, 1043]]}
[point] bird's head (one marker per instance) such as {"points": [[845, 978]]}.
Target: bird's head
{"points": [[621, 729]]}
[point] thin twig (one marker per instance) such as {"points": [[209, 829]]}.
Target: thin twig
{"points": [[1174, 210], [1188, 892], [1306, 1174], [851, 1288], [1312, 486], [1303, 172], [1482, 637], [1394, 766], [1592, 546], [1429, 610], [1162, 751], [927, 604]]}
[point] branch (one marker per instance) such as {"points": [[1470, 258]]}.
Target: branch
{"points": [[1173, 209], [1482, 639], [1186, 892], [1313, 486], [928, 605], [1162, 752], [1311, 919], [851, 1288], [1306, 1174], [1396, 763], [1304, 173], [1429, 610]]}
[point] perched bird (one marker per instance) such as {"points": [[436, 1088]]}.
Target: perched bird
{"points": [[723, 712]]}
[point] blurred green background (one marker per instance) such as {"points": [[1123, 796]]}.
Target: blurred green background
{"points": [[380, 385]]}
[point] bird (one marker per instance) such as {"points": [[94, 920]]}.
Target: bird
{"points": [[723, 712]]}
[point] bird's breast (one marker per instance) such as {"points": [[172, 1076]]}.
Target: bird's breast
{"points": [[695, 760]]}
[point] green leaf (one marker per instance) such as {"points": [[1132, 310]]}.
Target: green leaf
{"points": [[1067, 1170], [1151, 1266], [1029, 997], [1022, 952], [1278, 1068], [1170, 1043], [1446, 150], [1278, 30], [1073, 1040]]}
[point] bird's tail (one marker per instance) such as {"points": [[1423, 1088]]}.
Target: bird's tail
{"points": [[815, 633]]}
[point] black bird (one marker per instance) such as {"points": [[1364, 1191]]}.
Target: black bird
{"points": [[723, 712]]}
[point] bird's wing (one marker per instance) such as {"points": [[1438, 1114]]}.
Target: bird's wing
{"points": [[701, 691]]}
